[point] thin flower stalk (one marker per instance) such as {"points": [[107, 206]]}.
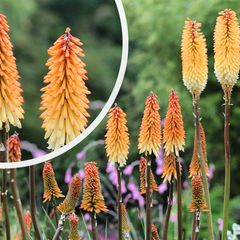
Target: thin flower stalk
{"points": [[64, 100], [226, 56], [32, 196], [149, 142], [117, 147], [195, 73], [14, 153]]}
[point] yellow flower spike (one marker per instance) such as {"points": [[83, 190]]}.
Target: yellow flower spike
{"points": [[11, 100], [149, 141], [155, 235], [198, 203], [195, 168], [14, 148], [70, 201], [51, 189], [117, 137], [73, 224], [142, 170], [169, 168], [64, 99], [194, 58], [173, 131], [93, 200], [227, 49]]}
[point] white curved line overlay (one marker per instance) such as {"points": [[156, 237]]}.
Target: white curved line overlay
{"points": [[101, 115]]}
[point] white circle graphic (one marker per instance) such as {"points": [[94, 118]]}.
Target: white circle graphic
{"points": [[103, 112]]}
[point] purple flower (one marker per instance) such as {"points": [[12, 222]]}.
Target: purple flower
{"points": [[159, 162], [113, 178], [110, 168], [87, 217], [68, 175], [128, 170], [220, 224], [185, 184], [81, 156], [81, 173], [173, 217], [123, 184], [141, 201], [211, 170], [162, 188], [38, 153]]}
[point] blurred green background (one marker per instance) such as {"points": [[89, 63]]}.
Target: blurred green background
{"points": [[155, 28]]}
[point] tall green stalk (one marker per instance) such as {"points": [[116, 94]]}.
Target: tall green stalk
{"points": [[18, 203], [33, 203], [4, 158], [168, 212], [94, 226], [202, 166], [119, 202], [179, 200], [227, 95], [148, 201]]}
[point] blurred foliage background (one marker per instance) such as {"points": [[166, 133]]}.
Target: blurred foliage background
{"points": [[155, 29]]}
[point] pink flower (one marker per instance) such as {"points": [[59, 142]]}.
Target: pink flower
{"points": [[185, 184], [220, 224], [173, 217], [162, 188], [81, 156], [81, 174], [38, 153], [68, 175], [128, 170]]}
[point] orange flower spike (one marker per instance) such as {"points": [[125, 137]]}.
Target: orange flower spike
{"points": [[195, 168], [142, 170], [173, 132], [73, 223], [155, 235], [51, 189], [149, 140], [93, 200], [169, 168], [14, 148], [194, 58], [11, 100], [117, 137], [64, 99], [125, 225], [198, 202], [28, 220], [227, 48], [70, 201]]}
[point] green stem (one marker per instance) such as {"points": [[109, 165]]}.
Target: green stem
{"points": [[227, 163], [55, 210], [94, 226], [33, 203], [179, 200], [168, 212], [148, 202], [18, 203], [202, 166], [119, 202], [4, 158], [60, 227]]}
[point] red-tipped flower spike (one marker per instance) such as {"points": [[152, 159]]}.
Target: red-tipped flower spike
{"points": [[51, 189], [198, 202], [195, 168], [64, 98], [142, 170], [11, 99], [93, 200], [194, 58], [117, 137], [28, 220], [74, 189], [73, 223], [14, 148], [149, 140], [155, 235], [173, 132], [227, 49], [169, 168]]}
